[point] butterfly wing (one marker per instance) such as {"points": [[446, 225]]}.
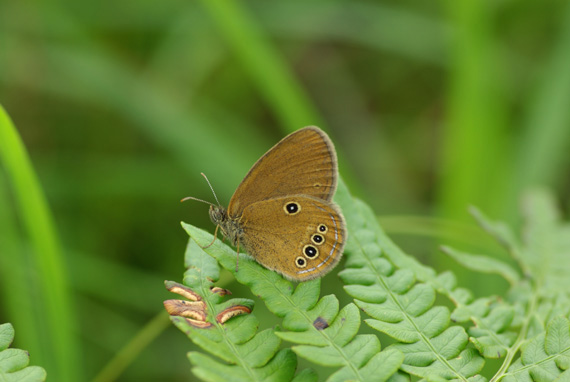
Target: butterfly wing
{"points": [[299, 236], [303, 162]]}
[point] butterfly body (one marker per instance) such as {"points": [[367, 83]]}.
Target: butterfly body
{"points": [[282, 213], [230, 228]]}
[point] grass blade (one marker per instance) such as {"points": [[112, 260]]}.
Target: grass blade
{"points": [[55, 316], [265, 66]]}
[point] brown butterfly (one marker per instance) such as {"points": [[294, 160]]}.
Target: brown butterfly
{"points": [[282, 212]]}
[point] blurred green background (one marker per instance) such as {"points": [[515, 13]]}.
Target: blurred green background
{"points": [[433, 106]]}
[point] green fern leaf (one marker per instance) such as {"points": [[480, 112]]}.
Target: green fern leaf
{"points": [[493, 318], [280, 368], [491, 336], [546, 357], [307, 375], [533, 316], [484, 264], [324, 334], [380, 368], [546, 243], [249, 355], [362, 222], [14, 362], [387, 289], [500, 231]]}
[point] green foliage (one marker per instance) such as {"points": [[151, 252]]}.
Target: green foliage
{"points": [[528, 329], [14, 362], [546, 357], [251, 355], [400, 306], [50, 315], [175, 89], [325, 335], [533, 316]]}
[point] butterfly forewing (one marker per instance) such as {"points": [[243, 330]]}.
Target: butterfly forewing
{"points": [[303, 240], [304, 163]]}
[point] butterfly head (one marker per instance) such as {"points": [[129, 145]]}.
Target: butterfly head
{"points": [[231, 228], [218, 215]]}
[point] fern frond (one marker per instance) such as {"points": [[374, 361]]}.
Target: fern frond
{"points": [[484, 264], [248, 355], [492, 334], [14, 362], [502, 233], [546, 357], [384, 283], [325, 335], [546, 241], [398, 294], [534, 313]]}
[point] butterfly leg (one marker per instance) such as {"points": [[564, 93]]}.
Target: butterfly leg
{"points": [[237, 255], [215, 237]]}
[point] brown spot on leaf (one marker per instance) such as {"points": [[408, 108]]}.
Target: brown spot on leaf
{"points": [[232, 311], [320, 323], [220, 291], [182, 290], [190, 309], [194, 311], [199, 324]]}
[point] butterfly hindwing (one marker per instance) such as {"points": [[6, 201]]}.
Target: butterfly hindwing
{"points": [[303, 240]]}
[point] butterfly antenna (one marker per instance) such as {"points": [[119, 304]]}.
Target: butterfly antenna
{"points": [[199, 200], [211, 188]]}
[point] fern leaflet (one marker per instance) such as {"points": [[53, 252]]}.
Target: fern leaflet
{"points": [[249, 355], [14, 362]]}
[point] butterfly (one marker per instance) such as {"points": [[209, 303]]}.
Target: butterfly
{"points": [[282, 212]]}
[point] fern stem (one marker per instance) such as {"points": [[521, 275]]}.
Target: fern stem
{"points": [[521, 338]]}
